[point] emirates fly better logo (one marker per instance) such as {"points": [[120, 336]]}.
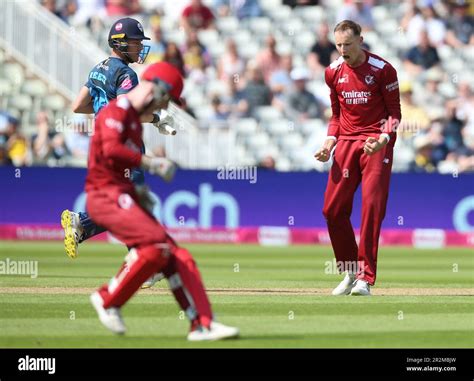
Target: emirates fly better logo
{"points": [[356, 97]]}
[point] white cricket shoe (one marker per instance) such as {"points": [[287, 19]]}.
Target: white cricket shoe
{"points": [[361, 288], [345, 287], [109, 317], [151, 281], [217, 331]]}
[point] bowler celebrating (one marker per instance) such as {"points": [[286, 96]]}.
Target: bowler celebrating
{"points": [[365, 104]]}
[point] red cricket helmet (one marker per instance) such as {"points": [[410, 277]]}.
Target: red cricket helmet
{"points": [[169, 75]]}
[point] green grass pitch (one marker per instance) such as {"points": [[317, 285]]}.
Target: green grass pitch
{"points": [[277, 296]]}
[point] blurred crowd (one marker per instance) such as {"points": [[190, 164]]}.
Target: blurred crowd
{"points": [[437, 131], [49, 145]]}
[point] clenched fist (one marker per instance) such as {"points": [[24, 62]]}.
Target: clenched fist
{"points": [[373, 145], [324, 153]]}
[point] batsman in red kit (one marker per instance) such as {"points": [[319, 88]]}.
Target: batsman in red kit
{"points": [[113, 203], [365, 104]]}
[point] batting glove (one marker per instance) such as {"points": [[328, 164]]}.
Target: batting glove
{"points": [[164, 123], [160, 166]]}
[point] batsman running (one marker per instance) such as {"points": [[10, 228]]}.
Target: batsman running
{"points": [[108, 80], [113, 203], [365, 104]]}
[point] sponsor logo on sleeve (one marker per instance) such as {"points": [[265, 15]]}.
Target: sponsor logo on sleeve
{"points": [[392, 86], [126, 83]]}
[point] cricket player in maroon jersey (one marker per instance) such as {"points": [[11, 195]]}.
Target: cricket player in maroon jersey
{"points": [[113, 203], [365, 104]]}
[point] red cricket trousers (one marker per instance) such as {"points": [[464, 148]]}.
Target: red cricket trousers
{"points": [[350, 168], [153, 250]]}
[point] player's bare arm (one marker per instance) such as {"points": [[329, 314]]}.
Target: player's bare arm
{"points": [[324, 152], [373, 145], [83, 103]]}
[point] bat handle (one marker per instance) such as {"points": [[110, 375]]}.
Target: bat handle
{"points": [[170, 130]]}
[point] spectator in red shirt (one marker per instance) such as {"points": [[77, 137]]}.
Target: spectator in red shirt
{"points": [[122, 7], [197, 16], [269, 60]]}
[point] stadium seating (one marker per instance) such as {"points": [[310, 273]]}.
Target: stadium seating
{"points": [[268, 133], [23, 96]]}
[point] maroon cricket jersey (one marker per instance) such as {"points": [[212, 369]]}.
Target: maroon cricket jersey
{"points": [[365, 100], [115, 147]]}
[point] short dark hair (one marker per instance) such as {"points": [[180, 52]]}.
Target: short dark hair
{"points": [[348, 24]]}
